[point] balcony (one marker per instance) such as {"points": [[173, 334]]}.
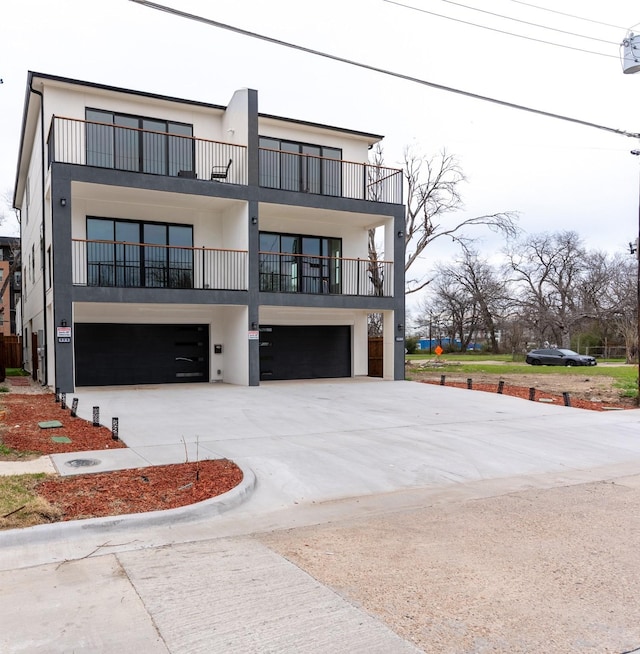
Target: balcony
{"points": [[308, 173], [117, 147], [140, 265], [301, 273], [131, 149]]}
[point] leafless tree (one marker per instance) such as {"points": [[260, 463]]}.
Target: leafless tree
{"points": [[433, 206], [621, 300], [548, 268], [486, 287]]}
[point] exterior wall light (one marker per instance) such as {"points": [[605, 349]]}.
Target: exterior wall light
{"points": [[400, 234], [400, 326], [63, 202], [254, 220]]}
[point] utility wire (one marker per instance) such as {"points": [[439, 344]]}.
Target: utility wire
{"points": [[562, 13], [493, 29], [526, 22], [375, 69]]}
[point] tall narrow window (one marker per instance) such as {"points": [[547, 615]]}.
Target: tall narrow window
{"points": [[294, 166], [138, 144], [127, 253], [300, 264]]}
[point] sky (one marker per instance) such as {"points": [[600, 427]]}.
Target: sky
{"points": [[555, 174]]}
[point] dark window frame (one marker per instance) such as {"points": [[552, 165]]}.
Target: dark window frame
{"points": [[113, 156], [122, 265], [303, 272], [289, 167]]}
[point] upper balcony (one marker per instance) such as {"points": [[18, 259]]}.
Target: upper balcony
{"points": [[118, 147], [89, 143]]}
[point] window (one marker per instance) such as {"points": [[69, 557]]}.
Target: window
{"points": [[127, 253], [300, 264], [294, 166], [138, 144]]}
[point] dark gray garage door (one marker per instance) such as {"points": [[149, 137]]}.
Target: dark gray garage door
{"points": [[309, 352], [113, 355]]}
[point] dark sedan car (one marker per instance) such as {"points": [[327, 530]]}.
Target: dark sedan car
{"points": [[553, 356]]}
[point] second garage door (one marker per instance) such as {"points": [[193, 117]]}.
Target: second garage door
{"points": [[114, 355], [305, 352]]}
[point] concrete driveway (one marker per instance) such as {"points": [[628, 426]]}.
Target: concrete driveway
{"points": [[321, 452], [315, 441]]}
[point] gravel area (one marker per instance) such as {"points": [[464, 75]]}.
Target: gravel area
{"points": [[552, 571]]}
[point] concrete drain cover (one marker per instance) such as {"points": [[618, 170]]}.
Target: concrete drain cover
{"points": [[83, 463]]}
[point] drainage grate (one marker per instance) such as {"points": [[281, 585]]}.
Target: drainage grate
{"points": [[82, 463]]}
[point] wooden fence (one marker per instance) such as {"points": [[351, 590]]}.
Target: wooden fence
{"points": [[10, 351]]}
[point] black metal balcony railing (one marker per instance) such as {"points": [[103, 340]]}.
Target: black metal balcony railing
{"points": [[323, 176], [104, 145], [138, 265], [301, 273], [137, 150]]}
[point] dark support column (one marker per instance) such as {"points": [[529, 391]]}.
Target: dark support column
{"points": [[61, 244]]}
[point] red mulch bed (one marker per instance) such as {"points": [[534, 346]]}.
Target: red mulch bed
{"points": [[109, 493], [140, 489], [19, 429], [523, 393]]}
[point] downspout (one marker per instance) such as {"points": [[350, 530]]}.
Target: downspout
{"points": [[42, 249], [19, 215]]}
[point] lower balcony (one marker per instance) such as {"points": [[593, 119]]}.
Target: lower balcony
{"points": [[302, 273], [141, 265]]}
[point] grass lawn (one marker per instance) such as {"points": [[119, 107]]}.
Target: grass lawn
{"points": [[626, 376]]}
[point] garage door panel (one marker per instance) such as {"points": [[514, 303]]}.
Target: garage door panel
{"points": [[107, 354], [305, 352]]}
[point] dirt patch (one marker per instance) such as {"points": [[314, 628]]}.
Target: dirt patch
{"points": [[594, 392]]}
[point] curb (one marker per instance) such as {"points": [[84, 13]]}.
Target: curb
{"points": [[114, 524]]}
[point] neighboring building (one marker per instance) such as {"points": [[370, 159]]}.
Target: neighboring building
{"points": [[9, 283], [168, 240]]}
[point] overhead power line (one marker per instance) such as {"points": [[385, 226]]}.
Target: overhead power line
{"points": [[375, 69], [494, 29], [562, 13], [526, 22]]}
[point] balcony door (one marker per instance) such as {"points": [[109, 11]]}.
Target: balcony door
{"points": [[138, 144], [300, 264], [294, 166], [127, 253]]}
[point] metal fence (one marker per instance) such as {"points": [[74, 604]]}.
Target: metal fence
{"points": [[139, 265], [301, 273]]}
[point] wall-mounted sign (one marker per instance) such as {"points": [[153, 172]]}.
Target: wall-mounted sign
{"points": [[63, 334], [254, 335]]}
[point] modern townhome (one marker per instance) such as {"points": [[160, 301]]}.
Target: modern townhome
{"points": [[167, 240]]}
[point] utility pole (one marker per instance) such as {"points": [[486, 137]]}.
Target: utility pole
{"points": [[630, 65]]}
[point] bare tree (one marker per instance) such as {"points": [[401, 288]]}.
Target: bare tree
{"points": [[487, 289], [548, 268], [433, 202], [622, 301], [433, 193]]}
